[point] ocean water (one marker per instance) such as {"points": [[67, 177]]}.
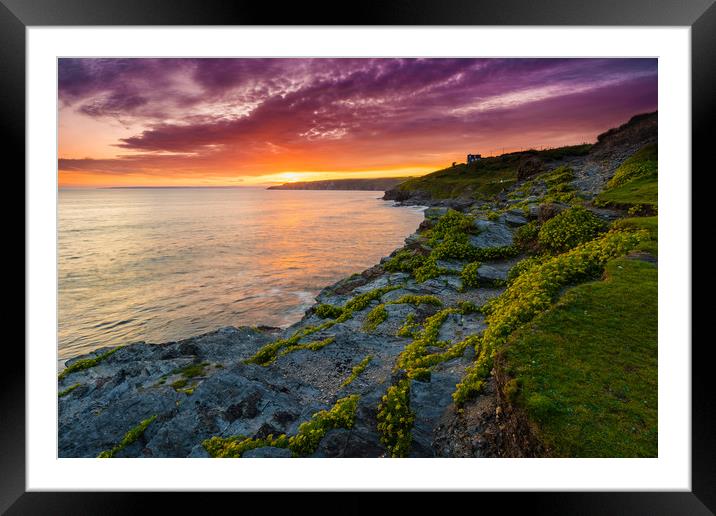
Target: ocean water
{"points": [[165, 264]]}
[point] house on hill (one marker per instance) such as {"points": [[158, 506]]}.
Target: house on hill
{"points": [[473, 158]]}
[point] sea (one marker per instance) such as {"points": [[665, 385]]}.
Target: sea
{"points": [[164, 264]]}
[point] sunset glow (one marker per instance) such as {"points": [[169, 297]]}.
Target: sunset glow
{"points": [[246, 122]]}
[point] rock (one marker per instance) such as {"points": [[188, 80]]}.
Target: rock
{"points": [[267, 452], [435, 212], [529, 168], [548, 210], [532, 211], [496, 271], [514, 218], [492, 234]]}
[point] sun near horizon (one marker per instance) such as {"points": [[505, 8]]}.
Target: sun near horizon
{"points": [[260, 122]]}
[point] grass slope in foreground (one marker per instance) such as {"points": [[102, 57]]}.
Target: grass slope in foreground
{"points": [[585, 371]]}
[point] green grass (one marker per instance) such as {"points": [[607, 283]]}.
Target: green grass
{"points": [[532, 292], [129, 438], [650, 224], [644, 162], [489, 178], [585, 371], [635, 182], [643, 190]]}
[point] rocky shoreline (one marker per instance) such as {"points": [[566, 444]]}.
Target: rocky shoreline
{"points": [[320, 387], [228, 397]]}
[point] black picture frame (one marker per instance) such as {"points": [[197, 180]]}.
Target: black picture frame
{"points": [[700, 15]]}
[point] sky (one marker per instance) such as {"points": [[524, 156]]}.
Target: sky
{"points": [[250, 122]]}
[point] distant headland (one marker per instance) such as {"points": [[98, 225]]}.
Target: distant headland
{"points": [[378, 184]]}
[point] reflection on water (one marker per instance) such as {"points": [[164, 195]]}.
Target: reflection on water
{"points": [[166, 264]]}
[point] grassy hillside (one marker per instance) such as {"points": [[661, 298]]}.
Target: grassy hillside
{"points": [[485, 178]]}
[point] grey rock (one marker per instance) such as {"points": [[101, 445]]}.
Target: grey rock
{"points": [[267, 451], [492, 234], [514, 218]]}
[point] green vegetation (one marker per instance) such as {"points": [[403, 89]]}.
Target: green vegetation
{"points": [[642, 190], [192, 370], [325, 311], [568, 229], [469, 274], [375, 317], [68, 390], [409, 327], [635, 182], [306, 440], [449, 239], [525, 265], [187, 373], [129, 438], [267, 354], [379, 314], [236, 446], [357, 370], [586, 369], [489, 177], [314, 345], [563, 152], [644, 162], [526, 236], [86, 363], [649, 224], [395, 419], [532, 292], [467, 307]]}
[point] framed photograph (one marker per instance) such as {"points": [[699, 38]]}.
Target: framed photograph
{"points": [[269, 250]]}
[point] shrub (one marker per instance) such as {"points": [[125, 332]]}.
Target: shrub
{"points": [[568, 229], [375, 317], [467, 307], [428, 270], [524, 265], [451, 225], [469, 274], [395, 419], [526, 236], [326, 311], [405, 260], [409, 327]]}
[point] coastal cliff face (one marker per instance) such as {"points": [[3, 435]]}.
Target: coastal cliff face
{"points": [[408, 358]]}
